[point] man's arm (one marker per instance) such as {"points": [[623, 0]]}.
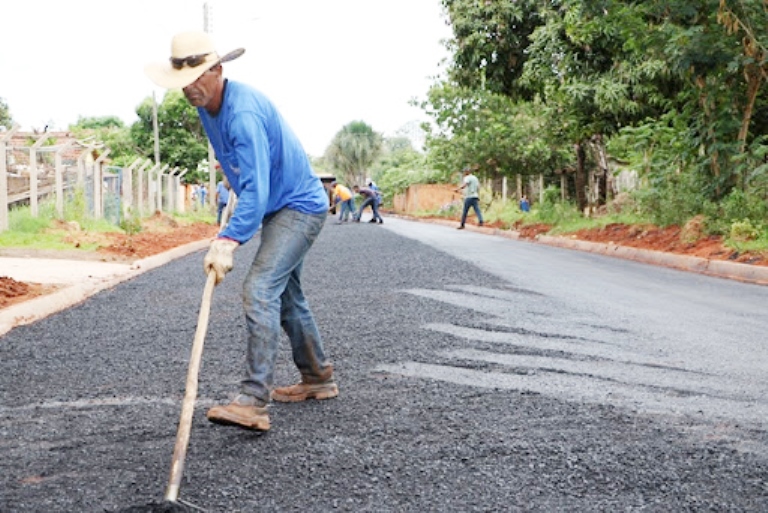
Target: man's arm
{"points": [[252, 148]]}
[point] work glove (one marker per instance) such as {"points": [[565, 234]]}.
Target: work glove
{"points": [[220, 257]]}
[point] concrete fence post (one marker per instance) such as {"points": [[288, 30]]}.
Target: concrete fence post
{"points": [[81, 168], [140, 187], [151, 186], [160, 187], [127, 189], [98, 186], [33, 199], [172, 191], [181, 196], [59, 177], [4, 177]]}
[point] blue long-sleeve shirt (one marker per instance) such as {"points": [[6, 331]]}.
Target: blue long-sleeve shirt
{"points": [[263, 160]]}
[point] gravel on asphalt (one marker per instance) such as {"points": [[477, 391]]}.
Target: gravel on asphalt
{"points": [[90, 399]]}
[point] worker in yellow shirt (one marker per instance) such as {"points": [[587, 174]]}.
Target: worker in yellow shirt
{"points": [[342, 195]]}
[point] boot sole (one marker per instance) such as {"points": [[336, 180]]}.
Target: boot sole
{"points": [[319, 395], [241, 422]]}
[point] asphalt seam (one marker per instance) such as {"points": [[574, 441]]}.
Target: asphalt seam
{"points": [[43, 306]]}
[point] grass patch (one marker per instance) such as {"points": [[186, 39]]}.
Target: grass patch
{"points": [[46, 231], [196, 216], [54, 240]]}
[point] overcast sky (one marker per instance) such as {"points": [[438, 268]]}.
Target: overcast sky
{"points": [[323, 62]]}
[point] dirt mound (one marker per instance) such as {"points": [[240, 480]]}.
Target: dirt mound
{"points": [[12, 291], [671, 239], [156, 237]]}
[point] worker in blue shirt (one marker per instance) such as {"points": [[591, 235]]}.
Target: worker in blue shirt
{"points": [[222, 197], [279, 193]]}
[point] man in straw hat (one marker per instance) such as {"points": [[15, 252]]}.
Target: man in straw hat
{"points": [[277, 189]]}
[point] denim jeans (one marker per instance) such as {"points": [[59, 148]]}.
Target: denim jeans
{"points": [[475, 204], [347, 209], [273, 299], [374, 206]]}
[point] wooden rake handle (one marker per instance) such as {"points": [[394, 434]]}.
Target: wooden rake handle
{"points": [[190, 395]]}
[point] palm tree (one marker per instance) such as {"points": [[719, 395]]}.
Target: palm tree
{"points": [[353, 150]]}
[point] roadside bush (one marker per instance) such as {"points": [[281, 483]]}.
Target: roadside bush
{"points": [[553, 210], [131, 225], [737, 207], [668, 204], [745, 231]]}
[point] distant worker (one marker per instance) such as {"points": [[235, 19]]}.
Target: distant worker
{"points": [[372, 185], [471, 187], [372, 199], [342, 195], [525, 205], [222, 197], [203, 193]]}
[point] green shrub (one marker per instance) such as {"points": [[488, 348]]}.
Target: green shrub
{"points": [[21, 220], [553, 210], [745, 231], [130, 225]]}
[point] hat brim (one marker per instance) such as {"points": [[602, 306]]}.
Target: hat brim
{"points": [[165, 75]]}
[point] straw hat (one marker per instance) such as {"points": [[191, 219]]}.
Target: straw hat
{"points": [[192, 54]]}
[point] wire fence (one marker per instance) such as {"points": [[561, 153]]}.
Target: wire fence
{"points": [[56, 167]]}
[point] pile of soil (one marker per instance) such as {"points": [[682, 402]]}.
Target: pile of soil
{"points": [[687, 240], [671, 239], [12, 291]]}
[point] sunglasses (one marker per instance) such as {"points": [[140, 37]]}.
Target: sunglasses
{"points": [[192, 61]]}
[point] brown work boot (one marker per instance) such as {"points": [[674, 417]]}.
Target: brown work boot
{"points": [[303, 391], [244, 411]]}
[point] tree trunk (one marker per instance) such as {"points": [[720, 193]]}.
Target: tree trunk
{"points": [[580, 177], [754, 76], [602, 158]]}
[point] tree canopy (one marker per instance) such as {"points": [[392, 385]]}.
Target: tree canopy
{"points": [[352, 151], [6, 119], [182, 138], [583, 72]]}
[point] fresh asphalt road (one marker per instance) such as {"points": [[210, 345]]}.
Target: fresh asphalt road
{"points": [[641, 337], [477, 373]]}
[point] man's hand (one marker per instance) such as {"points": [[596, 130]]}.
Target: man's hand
{"points": [[220, 257]]}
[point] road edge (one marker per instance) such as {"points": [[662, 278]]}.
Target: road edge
{"points": [[746, 273], [71, 295]]}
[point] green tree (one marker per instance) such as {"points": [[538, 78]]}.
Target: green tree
{"points": [[719, 50], [352, 151], [597, 68], [182, 139], [400, 165], [94, 123], [112, 132], [499, 136], [489, 45], [6, 119]]}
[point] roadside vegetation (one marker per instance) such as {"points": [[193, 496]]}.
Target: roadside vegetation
{"points": [[645, 113], [648, 113], [47, 232]]}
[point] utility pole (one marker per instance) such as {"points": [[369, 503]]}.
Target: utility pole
{"points": [[208, 28], [155, 128]]}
